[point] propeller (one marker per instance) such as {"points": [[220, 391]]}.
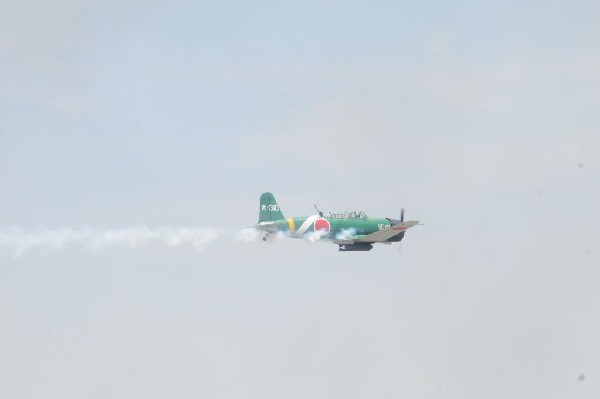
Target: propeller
{"points": [[401, 220]]}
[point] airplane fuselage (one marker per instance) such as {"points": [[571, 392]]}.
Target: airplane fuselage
{"points": [[327, 229]]}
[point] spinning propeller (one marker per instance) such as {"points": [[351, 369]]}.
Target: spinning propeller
{"points": [[401, 220]]}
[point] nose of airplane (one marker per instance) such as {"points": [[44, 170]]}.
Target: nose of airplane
{"points": [[394, 222]]}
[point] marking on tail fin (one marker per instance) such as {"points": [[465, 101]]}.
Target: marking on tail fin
{"points": [[269, 209]]}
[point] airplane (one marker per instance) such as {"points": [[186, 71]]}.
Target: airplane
{"points": [[351, 230]]}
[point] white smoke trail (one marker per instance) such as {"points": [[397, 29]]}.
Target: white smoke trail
{"points": [[346, 234], [250, 234], [314, 236], [18, 241]]}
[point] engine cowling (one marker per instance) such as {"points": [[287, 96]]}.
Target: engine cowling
{"points": [[399, 236]]}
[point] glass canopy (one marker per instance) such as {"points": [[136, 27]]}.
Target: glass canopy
{"points": [[346, 215]]}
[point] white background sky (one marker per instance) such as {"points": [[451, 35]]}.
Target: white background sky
{"points": [[481, 119]]}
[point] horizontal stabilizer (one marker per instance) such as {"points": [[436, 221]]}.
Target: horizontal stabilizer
{"points": [[270, 227]]}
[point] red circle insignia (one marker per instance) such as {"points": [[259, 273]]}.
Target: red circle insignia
{"points": [[322, 225]]}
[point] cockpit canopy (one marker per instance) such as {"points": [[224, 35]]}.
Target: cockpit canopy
{"points": [[346, 215]]}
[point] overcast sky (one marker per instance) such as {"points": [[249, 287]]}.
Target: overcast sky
{"points": [[165, 121]]}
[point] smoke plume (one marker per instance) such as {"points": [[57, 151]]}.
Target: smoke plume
{"points": [[18, 241]]}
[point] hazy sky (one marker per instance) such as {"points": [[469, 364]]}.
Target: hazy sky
{"points": [[157, 125]]}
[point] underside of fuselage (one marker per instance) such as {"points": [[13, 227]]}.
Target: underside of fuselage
{"points": [[367, 246]]}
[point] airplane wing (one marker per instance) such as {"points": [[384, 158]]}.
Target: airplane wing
{"points": [[384, 235]]}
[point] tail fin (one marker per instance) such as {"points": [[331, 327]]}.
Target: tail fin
{"points": [[269, 209]]}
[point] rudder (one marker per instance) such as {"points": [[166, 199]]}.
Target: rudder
{"points": [[269, 209]]}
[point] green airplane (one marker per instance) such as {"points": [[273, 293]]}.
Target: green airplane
{"points": [[352, 231]]}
